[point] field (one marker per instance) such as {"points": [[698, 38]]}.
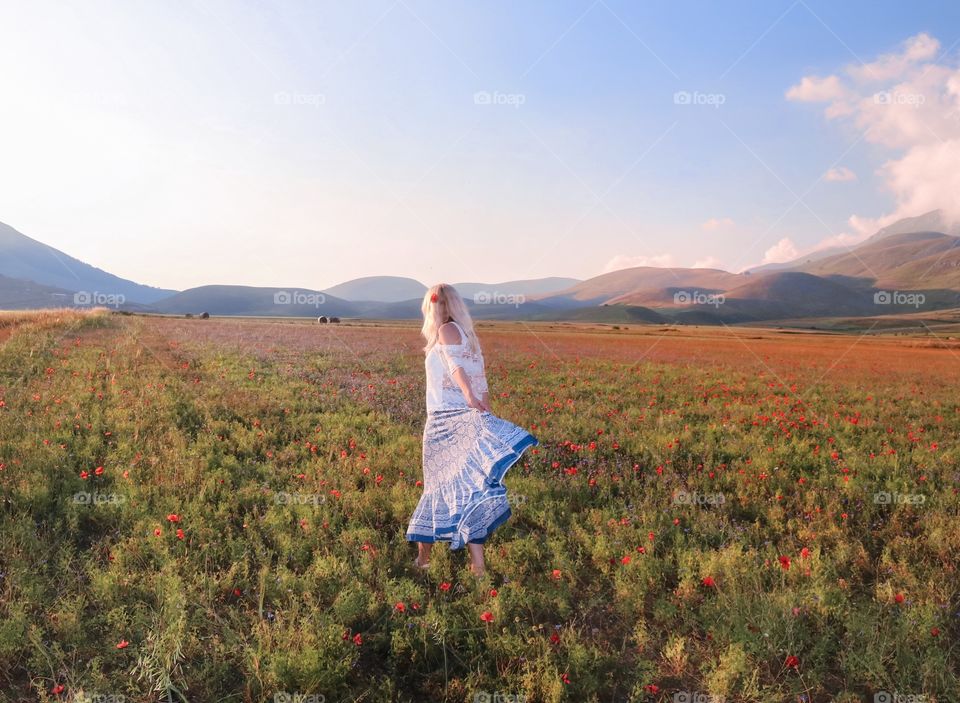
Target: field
{"points": [[214, 510]]}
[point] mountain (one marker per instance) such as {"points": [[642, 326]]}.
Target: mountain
{"points": [[27, 259], [527, 288], [17, 294], [900, 270], [634, 286], [909, 261], [384, 289], [394, 289]]}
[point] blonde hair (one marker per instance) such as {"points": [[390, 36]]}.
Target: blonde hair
{"points": [[448, 305]]}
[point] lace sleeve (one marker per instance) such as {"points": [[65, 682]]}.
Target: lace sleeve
{"points": [[453, 357]]}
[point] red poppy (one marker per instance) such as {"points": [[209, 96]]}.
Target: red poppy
{"points": [[433, 298], [486, 616], [564, 677], [652, 688], [804, 552], [444, 586], [791, 662], [157, 532], [555, 638], [122, 644], [709, 582], [935, 631], [784, 562], [173, 517], [899, 598], [179, 533], [556, 574], [400, 607], [98, 471], [357, 639], [493, 592], [58, 689]]}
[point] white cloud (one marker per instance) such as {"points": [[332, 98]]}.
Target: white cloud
{"points": [[622, 261], [784, 250], [908, 102], [815, 89], [840, 174], [715, 223], [922, 47]]}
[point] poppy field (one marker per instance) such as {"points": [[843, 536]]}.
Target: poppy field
{"points": [[214, 510]]}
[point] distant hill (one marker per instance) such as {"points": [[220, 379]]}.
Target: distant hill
{"points": [[27, 259], [898, 271], [909, 261], [633, 286], [383, 289], [529, 287], [394, 289], [17, 294]]}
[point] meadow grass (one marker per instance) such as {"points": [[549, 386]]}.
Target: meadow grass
{"points": [[215, 511]]}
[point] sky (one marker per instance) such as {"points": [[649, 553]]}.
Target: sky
{"points": [[307, 143]]}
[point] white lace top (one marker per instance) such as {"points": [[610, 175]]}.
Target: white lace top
{"points": [[443, 391]]}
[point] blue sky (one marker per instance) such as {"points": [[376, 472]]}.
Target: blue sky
{"points": [[307, 143]]}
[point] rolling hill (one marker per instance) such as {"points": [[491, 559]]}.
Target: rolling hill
{"points": [[899, 270], [27, 259]]}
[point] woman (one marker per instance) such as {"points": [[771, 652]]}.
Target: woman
{"points": [[466, 448]]}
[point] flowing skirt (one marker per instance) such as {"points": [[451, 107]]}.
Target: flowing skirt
{"points": [[466, 454]]}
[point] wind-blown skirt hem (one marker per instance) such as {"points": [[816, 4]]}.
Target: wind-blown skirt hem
{"points": [[466, 454]]}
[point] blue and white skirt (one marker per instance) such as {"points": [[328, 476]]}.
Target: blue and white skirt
{"points": [[466, 454]]}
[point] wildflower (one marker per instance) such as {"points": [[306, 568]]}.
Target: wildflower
{"points": [[157, 532], [179, 533], [899, 598], [791, 662], [804, 553], [486, 616], [400, 607], [556, 574], [564, 677], [58, 689], [173, 517], [444, 586], [709, 582], [357, 639], [122, 644], [784, 562], [493, 592], [625, 560]]}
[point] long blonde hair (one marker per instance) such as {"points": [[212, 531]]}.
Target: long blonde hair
{"points": [[442, 303]]}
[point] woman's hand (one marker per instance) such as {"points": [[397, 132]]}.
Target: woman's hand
{"points": [[474, 402]]}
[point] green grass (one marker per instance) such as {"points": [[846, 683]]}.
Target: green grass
{"points": [[292, 470]]}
